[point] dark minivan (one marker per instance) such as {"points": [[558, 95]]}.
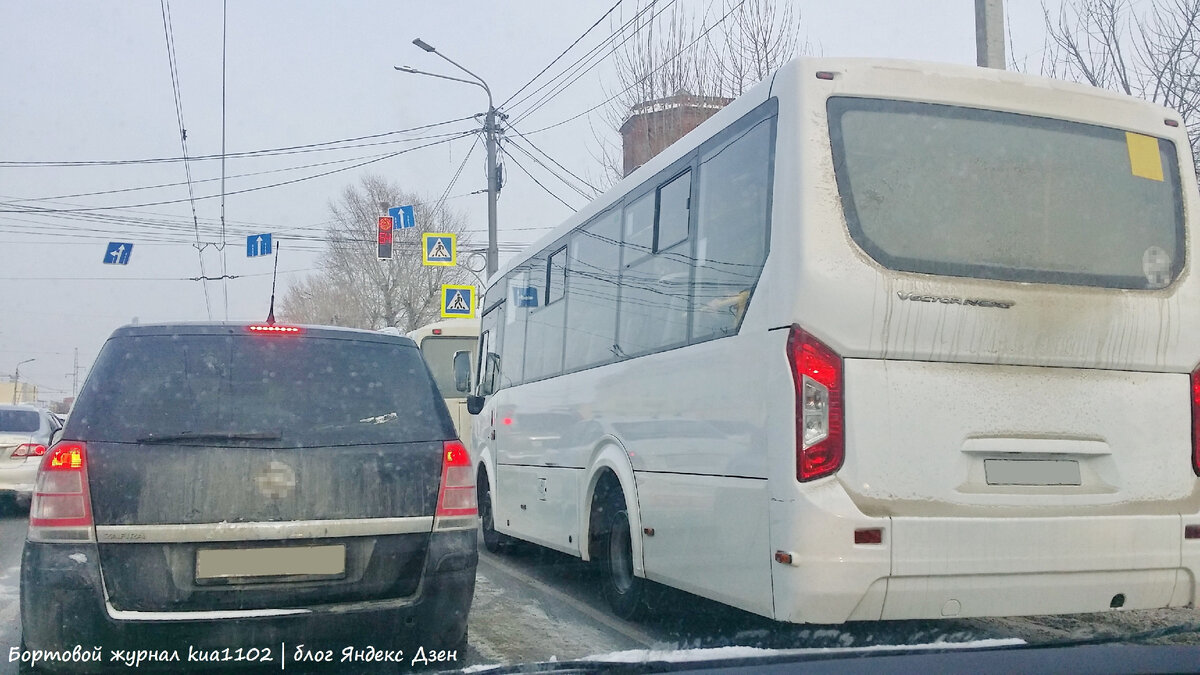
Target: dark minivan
{"points": [[224, 485]]}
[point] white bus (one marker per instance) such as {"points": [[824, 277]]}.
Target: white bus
{"points": [[879, 340], [439, 341]]}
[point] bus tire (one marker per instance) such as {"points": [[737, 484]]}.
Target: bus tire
{"points": [[493, 541], [624, 591]]}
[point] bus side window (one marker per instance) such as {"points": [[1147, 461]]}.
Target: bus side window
{"points": [[654, 284], [593, 257], [491, 374], [731, 229], [485, 348]]}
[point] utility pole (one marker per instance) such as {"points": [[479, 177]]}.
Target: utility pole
{"points": [[489, 124], [989, 33], [17, 379], [491, 129], [75, 378]]}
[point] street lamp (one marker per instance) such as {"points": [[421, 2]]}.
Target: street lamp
{"points": [[17, 379], [489, 128]]}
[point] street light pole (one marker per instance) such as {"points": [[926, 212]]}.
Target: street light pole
{"points": [[17, 379], [489, 126], [491, 130]]}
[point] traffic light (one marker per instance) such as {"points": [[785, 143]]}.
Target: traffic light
{"points": [[385, 237]]}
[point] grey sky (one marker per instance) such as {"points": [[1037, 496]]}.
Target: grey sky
{"points": [[91, 81]]}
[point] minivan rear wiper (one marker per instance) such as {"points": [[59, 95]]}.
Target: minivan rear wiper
{"points": [[211, 436]]}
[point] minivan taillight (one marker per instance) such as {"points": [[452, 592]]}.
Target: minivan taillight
{"points": [[456, 506], [1196, 421], [820, 406], [61, 508]]}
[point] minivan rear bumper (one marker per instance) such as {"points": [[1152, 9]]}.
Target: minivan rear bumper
{"points": [[63, 604], [931, 568]]}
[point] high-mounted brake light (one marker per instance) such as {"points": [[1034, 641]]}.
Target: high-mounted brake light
{"points": [[61, 508], [274, 329], [1196, 421], [820, 406], [437, 331], [29, 450], [456, 499]]}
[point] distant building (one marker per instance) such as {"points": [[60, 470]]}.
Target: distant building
{"points": [[654, 125], [9, 393]]}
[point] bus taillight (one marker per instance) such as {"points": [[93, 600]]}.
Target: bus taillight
{"points": [[1196, 421], [820, 406]]}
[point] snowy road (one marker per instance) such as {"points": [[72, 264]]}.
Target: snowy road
{"points": [[536, 605]]}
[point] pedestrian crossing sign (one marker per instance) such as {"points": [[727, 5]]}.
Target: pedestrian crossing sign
{"points": [[439, 249], [458, 302]]}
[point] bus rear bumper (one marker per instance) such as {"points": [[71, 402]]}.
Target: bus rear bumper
{"points": [[931, 568]]}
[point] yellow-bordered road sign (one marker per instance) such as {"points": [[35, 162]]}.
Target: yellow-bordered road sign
{"points": [[458, 302], [439, 249]]}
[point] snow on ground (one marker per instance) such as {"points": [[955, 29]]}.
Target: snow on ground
{"points": [[725, 653], [721, 653]]}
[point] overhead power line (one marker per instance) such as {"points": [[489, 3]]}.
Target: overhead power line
{"points": [[539, 183], [631, 86], [592, 57], [442, 199], [224, 257], [550, 171], [202, 180], [243, 191], [266, 152], [121, 278], [168, 35], [594, 189], [564, 52]]}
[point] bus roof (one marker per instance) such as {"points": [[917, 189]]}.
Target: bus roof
{"points": [[448, 328]]}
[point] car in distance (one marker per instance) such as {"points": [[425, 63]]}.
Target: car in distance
{"points": [[25, 433], [222, 485]]}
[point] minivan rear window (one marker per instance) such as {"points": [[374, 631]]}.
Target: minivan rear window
{"points": [[19, 421], [949, 190], [289, 391]]}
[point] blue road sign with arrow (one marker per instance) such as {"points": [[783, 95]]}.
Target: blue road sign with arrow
{"points": [[117, 253], [258, 244], [402, 216]]}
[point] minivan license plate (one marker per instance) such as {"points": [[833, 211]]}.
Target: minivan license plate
{"points": [[263, 564]]}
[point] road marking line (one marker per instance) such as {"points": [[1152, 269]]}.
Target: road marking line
{"points": [[631, 632]]}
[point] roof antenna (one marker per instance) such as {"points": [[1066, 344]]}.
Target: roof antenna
{"points": [[274, 276]]}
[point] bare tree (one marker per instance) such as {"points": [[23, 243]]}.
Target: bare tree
{"points": [[1154, 54], [671, 52], [761, 37], [354, 288], [318, 299]]}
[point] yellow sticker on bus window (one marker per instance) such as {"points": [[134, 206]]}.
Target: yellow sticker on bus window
{"points": [[1144, 160]]}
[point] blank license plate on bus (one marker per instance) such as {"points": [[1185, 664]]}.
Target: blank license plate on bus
{"points": [[1031, 471], [263, 564]]}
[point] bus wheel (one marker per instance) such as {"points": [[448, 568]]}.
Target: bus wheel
{"points": [[625, 592], [493, 541]]}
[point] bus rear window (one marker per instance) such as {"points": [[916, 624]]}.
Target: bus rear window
{"points": [[439, 356], [956, 191]]}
